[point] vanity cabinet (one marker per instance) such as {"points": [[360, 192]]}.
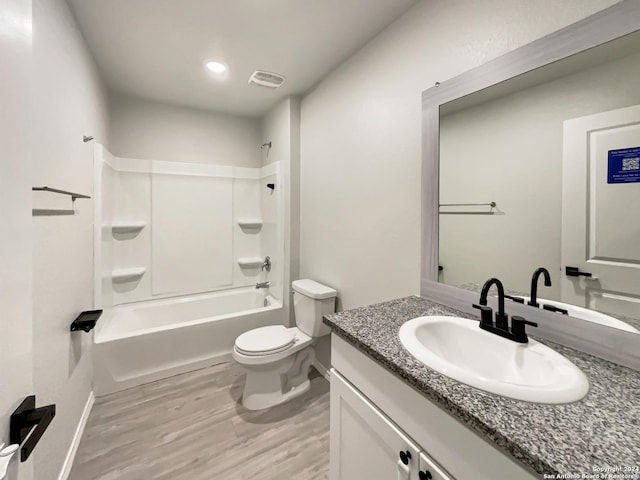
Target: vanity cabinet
{"points": [[375, 415], [365, 444]]}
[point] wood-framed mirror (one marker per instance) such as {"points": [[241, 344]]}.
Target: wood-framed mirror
{"points": [[531, 160]]}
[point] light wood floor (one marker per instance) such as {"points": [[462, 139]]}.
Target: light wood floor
{"points": [[193, 427]]}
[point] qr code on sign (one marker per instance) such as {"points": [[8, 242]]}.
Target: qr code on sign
{"points": [[631, 164]]}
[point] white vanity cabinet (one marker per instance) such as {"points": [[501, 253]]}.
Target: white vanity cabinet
{"points": [[375, 415], [366, 445]]}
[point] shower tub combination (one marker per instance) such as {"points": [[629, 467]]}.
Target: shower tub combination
{"points": [[165, 233], [147, 341]]}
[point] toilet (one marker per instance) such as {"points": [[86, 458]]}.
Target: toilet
{"points": [[277, 359]]}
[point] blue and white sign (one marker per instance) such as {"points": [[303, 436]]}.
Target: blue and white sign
{"points": [[624, 165]]}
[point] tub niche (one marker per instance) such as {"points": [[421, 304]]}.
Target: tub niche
{"points": [[176, 234]]}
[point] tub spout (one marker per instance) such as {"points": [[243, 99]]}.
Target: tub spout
{"points": [[262, 285]]}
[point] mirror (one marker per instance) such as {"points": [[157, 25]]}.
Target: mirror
{"points": [[543, 170]]}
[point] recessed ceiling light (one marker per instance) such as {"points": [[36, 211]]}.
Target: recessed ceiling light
{"points": [[216, 67]]}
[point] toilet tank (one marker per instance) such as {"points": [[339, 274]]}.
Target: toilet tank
{"points": [[312, 300]]}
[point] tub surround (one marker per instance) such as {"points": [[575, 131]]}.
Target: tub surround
{"points": [[599, 430], [170, 228]]}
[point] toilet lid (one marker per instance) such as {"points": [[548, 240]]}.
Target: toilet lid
{"points": [[265, 340]]}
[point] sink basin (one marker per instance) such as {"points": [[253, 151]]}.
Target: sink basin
{"points": [[459, 349], [588, 315]]}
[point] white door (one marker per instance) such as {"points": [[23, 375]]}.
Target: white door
{"points": [[16, 376], [601, 211], [364, 443]]}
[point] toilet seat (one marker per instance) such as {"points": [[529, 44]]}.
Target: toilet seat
{"points": [[265, 341]]}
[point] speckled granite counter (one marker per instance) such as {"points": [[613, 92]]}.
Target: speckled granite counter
{"points": [[601, 430]]}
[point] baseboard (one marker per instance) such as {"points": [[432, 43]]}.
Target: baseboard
{"points": [[322, 370], [73, 448]]}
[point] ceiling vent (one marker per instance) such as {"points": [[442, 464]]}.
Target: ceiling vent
{"points": [[266, 79]]}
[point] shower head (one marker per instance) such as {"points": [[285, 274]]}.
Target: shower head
{"points": [[268, 145]]}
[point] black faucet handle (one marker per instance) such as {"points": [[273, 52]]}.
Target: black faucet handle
{"points": [[553, 308], [518, 329], [515, 299], [486, 315]]}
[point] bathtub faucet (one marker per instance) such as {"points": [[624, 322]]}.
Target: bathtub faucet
{"points": [[262, 285], [267, 264]]}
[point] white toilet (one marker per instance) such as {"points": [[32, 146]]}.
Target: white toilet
{"points": [[277, 359]]}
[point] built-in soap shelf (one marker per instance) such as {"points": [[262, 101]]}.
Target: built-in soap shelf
{"points": [[252, 225], [122, 275], [250, 262], [126, 227]]}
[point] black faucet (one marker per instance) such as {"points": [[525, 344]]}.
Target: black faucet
{"points": [[533, 301], [502, 320], [501, 327]]}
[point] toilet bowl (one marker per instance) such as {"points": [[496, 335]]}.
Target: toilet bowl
{"points": [[276, 358]]}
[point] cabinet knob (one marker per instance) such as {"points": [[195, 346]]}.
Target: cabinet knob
{"points": [[405, 457], [426, 475]]}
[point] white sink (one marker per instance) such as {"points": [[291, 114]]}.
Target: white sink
{"points": [[588, 315], [458, 348]]}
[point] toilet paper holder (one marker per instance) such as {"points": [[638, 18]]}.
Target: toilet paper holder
{"points": [[22, 422]]}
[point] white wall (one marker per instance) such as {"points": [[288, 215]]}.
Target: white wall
{"points": [[156, 131], [70, 103], [361, 134], [281, 127], [275, 127], [510, 151], [16, 372]]}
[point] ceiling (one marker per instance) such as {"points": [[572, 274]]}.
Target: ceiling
{"points": [[156, 49]]}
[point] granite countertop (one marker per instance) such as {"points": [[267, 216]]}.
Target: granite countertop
{"points": [[601, 430]]}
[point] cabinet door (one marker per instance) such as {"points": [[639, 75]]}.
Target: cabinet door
{"points": [[365, 445], [429, 470]]}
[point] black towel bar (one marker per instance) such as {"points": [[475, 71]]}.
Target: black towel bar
{"points": [[63, 192]]}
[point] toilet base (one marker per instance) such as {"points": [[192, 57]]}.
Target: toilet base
{"points": [[274, 383]]}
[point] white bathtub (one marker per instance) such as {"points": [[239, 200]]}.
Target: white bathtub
{"points": [[143, 342]]}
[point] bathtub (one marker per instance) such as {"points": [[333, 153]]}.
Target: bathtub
{"points": [[143, 342]]}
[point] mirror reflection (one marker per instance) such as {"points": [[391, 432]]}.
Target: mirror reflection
{"points": [[543, 172]]}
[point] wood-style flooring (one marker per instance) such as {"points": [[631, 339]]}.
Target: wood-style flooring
{"points": [[192, 427]]}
